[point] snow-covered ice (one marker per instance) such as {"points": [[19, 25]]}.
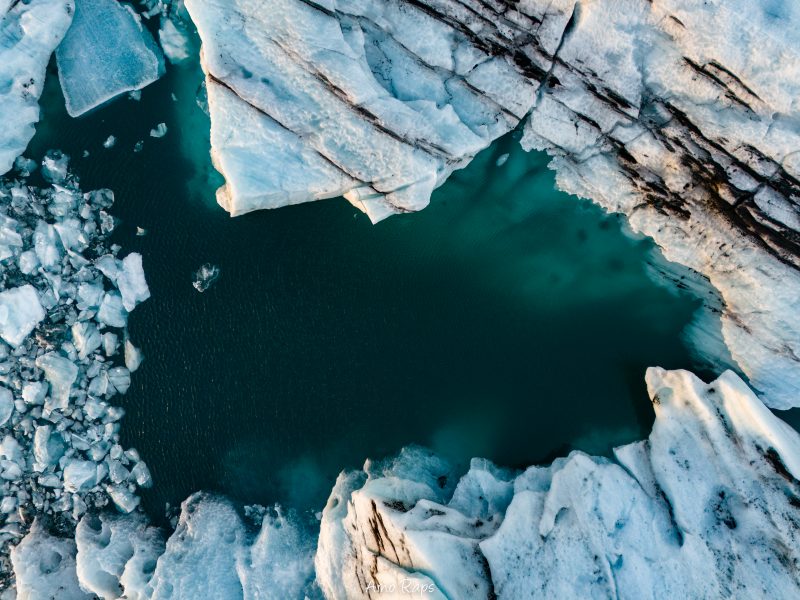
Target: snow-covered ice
{"points": [[123, 56]]}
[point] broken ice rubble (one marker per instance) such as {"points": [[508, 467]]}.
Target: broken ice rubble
{"points": [[64, 302], [123, 57]]}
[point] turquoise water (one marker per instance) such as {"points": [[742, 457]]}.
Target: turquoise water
{"points": [[507, 320]]}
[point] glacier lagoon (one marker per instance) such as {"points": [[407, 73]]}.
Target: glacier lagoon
{"points": [[507, 320]]}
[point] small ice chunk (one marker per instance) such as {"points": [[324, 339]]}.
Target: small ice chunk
{"points": [[33, 392], [46, 243], [80, 475], [501, 160], [54, 166], [125, 501], [20, 312], [110, 142], [123, 58], [141, 232], [10, 239], [205, 277], [110, 343], [28, 262], [6, 405], [111, 312], [138, 146], [120, 378], [174, 42], [90, 295], [25, 166], [48, 446], [133, 356], [135, 95], [159, 131], [86, 338], [61, 373], [142, 475], [131, 282]]}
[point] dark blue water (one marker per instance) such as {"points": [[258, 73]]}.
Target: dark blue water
{"points": [[507, 320]]}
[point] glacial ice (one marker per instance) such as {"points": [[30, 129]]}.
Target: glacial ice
{"points": [[30, 32], [20, 312], [705, 508], [123, 57], [681, 115]]}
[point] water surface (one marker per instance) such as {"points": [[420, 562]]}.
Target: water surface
{"points": [[506, 320]]}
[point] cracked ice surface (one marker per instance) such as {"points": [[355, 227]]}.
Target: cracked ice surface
{"points": [[29, 32], [682, 115]]}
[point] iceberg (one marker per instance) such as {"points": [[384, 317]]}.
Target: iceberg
{"points": [[20, 313], [705, 508], [106, 52], [31, 32], [682, 116]]}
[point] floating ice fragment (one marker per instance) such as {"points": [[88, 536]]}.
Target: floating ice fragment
{"points": [[61, 373], [25, 166], [133, 356], [6, 405], [80, 475], [20, 312], [141, 232], [138, 146], [110, 142], [131, 281], [205, 277], [174, 41], [159, 131], [123, 57], [111, 312], [125, 501], [501, 160], [54, 166]]}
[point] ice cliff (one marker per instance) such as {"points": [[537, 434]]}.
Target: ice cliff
{"points": [[682, 115], [707, 507]]}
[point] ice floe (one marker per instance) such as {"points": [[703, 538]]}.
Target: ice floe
{"points": [[123, 56]]}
